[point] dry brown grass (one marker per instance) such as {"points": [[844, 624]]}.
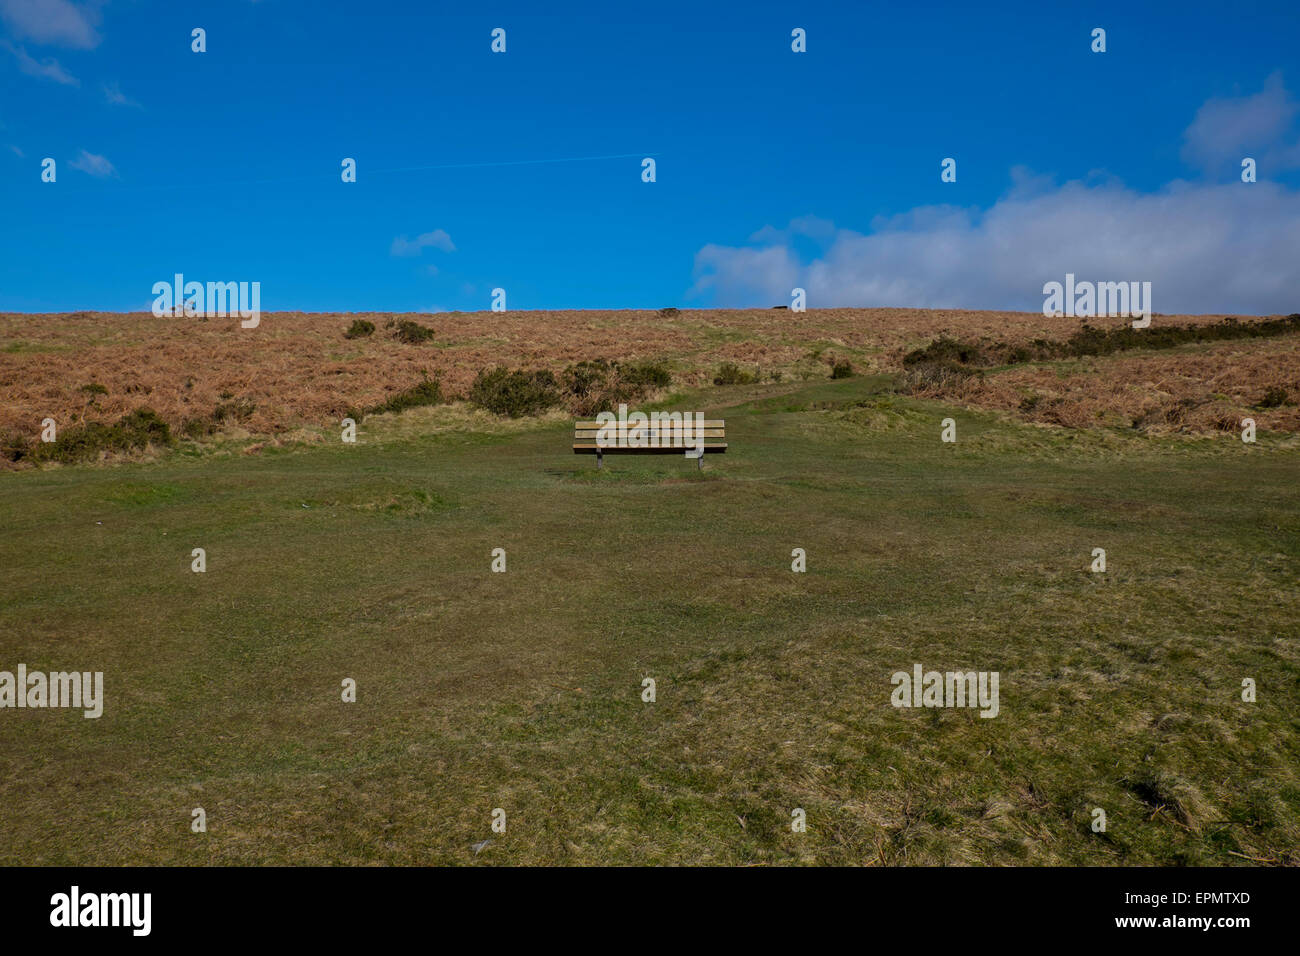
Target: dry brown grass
{"points": [[1204, 389], [299, 371]]}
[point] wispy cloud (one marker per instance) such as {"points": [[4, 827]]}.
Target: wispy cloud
{"points": [[438, 239], [16, 151], [53, 22], [93, 165], [113, 94], [1206, 246], [812, 227], [46, 69]]}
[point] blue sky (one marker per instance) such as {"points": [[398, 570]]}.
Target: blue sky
{"points": [[820, 169]]}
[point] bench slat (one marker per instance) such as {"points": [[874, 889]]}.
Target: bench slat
{"points": [[708, 423], [666, 446], [665, 435], [661, 450]]}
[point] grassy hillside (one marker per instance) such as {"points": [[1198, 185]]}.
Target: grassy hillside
{"points": [[1192, 374], [522, 690]]}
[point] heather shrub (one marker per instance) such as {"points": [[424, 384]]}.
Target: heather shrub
{"points": [[514, 393]]}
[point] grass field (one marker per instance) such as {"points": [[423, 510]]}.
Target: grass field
{"points": [[522, 690]]}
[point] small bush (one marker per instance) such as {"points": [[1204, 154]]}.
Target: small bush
{"points": [[595, 385], [94, 389], [412, 333], [669, 312], [842, 370], [942, 364], [514, 393], [937, 375], [1273, 398], [227, 412], [133, 431], [14, 446], [426, 392], [359, 329], [945, 351], [605, 399], [236, 411], [583, 379], [731, 374], [647, 375]]}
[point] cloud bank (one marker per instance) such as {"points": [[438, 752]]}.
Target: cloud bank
{"points": [[1223, 246]]}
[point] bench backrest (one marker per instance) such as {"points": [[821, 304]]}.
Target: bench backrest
{"points": [[664, 436]]}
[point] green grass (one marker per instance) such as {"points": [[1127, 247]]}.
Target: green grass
{"points": [[19, 347], [523, 690]]}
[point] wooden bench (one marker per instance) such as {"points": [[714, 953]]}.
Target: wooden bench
{"points": [[663, 437]]}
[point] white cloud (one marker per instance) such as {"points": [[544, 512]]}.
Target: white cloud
{"points": [[1204, 248], [1262, 126], [742, 276], [55, 22], [1223, 246], [17, 152], [438, 239], [113, 94], [93, 165], [47, 69]]}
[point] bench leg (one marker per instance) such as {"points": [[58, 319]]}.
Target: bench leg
{"points": [[600, 459], [701, 461]]}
